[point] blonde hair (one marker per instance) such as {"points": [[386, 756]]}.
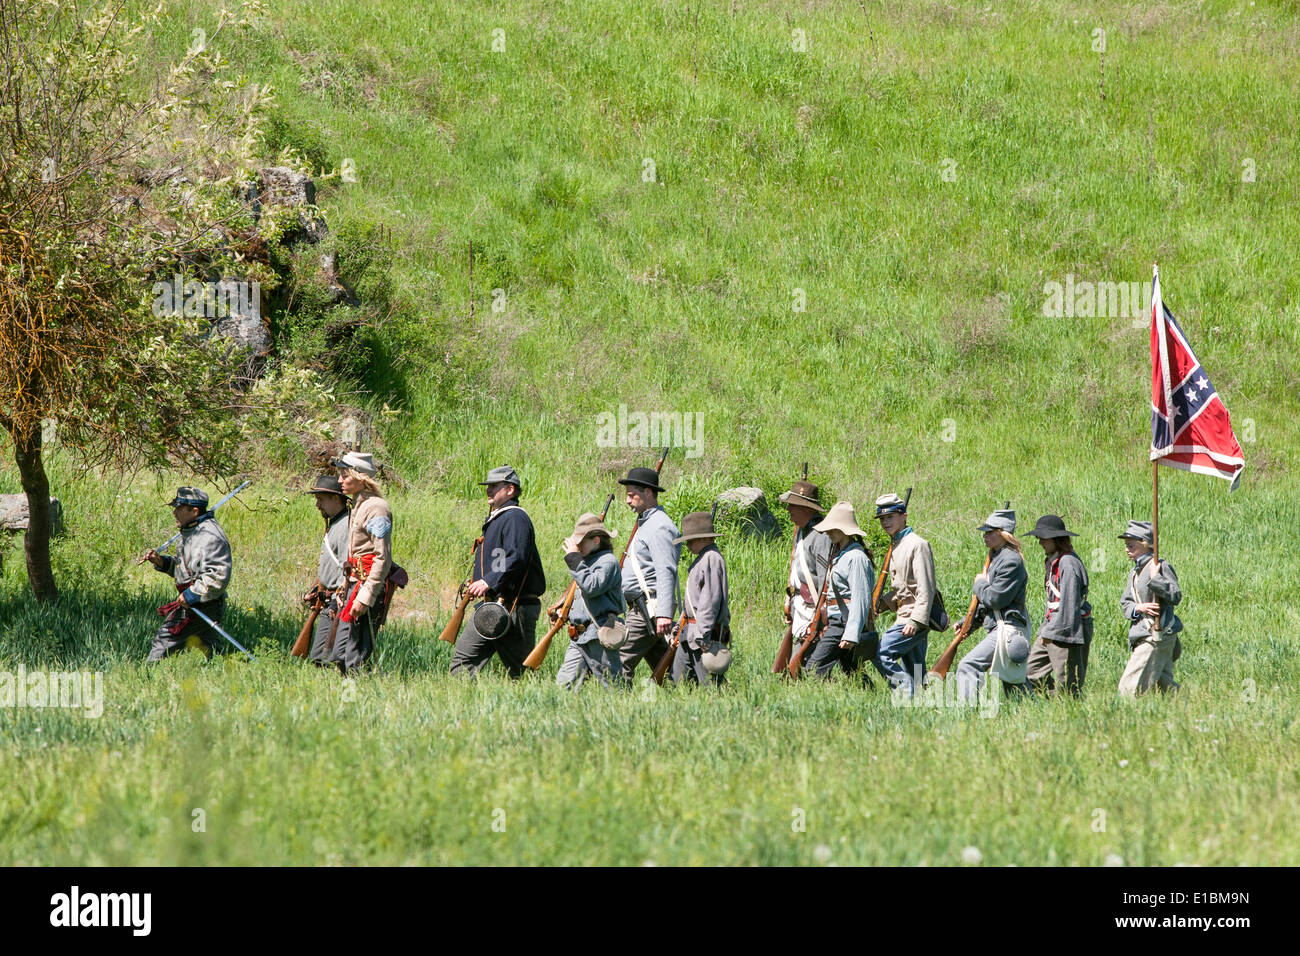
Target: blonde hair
{"points": [[1010, 541], [367, 483]]}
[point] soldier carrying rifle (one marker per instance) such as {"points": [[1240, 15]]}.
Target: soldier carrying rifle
{"points": [[650, 590], [809, 557], [201, 566], [331, 572], [848, 638], [912, 582]]}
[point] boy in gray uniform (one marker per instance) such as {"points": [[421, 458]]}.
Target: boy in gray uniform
{"points": [[650, 573], [847, 640], [201, 566], [332, 504], [597, 603], [1148, 603], [708, 615], [1001, 594]]}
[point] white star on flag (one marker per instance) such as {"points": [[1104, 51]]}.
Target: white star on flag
{"points": [[1191, 395], [1202, 383]]}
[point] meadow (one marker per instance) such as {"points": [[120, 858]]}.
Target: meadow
{"points": [[833, 246]]}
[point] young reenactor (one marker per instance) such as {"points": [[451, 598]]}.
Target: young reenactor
{"points": [[808, 557], [1000, 592], [330, 572], [846, 641], [1059, 659], [507, 570], [1148, 604], [597, 605], [704, 647], [201, 566], [361, 604], [901, 658], [649, 574]]}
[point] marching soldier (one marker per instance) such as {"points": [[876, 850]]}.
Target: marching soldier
{"points": [[597, 606], [809, 556], [331, 571], [1148, 600], [846, 640], [507, 572], [704, 646], [364, 601], [1059, 659], [1001, 594], [911, 578], [201, 566], [650, 590]]}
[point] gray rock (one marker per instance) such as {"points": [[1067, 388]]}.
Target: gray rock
{"points": [[15, 517], [749, 507], [281, 186], [242, 323]]}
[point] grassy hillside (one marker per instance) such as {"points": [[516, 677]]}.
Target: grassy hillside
{"points": [[912, 180]]}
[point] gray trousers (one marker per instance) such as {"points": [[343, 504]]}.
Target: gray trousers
{"points": [[590, 658], [320, 636], [1055, 668], [827, 656], [642, 642], [354, 642], [473, 651], [196, 633], [688, 665], [973, 667]]}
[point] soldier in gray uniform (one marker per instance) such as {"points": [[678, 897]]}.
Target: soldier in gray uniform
{"points": [[707, 630], [1059, 659], [1147, 602], [649, 573], [201, 567], [597, 604], [847, 640], [809, 557], [1001, 594], [332, 503]]}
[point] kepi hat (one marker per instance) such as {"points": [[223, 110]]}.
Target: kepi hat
{"points": [[1000, 520], [193, 497], [359, 461], [503, 474], [889, 504], [1141, 530]]}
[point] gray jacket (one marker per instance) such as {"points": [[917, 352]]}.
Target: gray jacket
{"points": [[706, 598], [1143, 587], [1066, 582], [600, 590], [202, 561], [653, 550], [334, 552], [1004, 589], [852, 578]]}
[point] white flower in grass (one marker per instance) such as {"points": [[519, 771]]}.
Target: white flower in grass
{"points": [[971, 856], [1114, 859], [1123, 763], [822, 853]]}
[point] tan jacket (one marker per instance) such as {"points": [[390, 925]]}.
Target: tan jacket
{"points": [[911, 575], [371, 532]]}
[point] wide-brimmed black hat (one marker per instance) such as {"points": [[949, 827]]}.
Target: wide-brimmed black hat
{"points": [[1051, 526], [645, 477], [326, 485]]}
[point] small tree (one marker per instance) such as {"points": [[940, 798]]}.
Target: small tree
{"points": [[109, 178]]}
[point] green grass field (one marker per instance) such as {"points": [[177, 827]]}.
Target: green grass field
{"points": [[913, 178]]}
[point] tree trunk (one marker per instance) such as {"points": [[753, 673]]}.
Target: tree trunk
{"points": [[36, 542]]}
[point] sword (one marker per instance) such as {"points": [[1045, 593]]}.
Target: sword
{"points": [[215, 627], [168, 543]]}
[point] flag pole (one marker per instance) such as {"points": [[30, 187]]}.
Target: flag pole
{"points": [[1155, 512]]}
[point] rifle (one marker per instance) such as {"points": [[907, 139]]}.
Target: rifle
{"points": [[884, 568], [452, 630], [302, 645], [559, 613], [661, 669], [817, 625], [944, 663], [166, 544], [787, 639]]}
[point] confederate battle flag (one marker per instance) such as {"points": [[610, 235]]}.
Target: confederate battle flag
{"points": [[1189, 423]]}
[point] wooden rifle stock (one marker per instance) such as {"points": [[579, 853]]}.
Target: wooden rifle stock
{"points": [[665, 662], [452, 630], [816, 626], [783, 652], [560, 612], [944, 663], [302, 646]]}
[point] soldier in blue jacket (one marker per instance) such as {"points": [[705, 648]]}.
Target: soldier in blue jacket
{"points": [[506, 568], [597, 606]]}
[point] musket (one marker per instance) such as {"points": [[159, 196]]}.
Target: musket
{"points": [[215, 627], [302, 646], [816, 625], [452, 630], [944, 663], [166, 544], [661, 669], [559, 613], [787, 639]]}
